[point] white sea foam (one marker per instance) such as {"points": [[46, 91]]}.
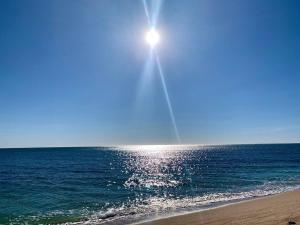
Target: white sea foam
{"points": [[141, 209]]}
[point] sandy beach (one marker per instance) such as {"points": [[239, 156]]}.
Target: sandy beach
{"points": [[278, 209]]}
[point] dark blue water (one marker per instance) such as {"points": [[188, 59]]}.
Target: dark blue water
{"points": [[123, 184]]}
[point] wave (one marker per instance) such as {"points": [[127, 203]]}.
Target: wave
{"points": [[154, 207]]}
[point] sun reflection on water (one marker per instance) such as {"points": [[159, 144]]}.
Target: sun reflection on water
{"points": [[160, 148], [156, 166]]}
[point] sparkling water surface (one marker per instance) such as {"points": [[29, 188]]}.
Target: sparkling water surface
{"points": [[119, 185]]}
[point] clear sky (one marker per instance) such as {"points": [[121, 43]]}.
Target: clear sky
{"points": [[71, 72]]}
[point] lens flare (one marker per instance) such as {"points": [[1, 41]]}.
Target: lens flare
{"points": [[152, 38]]}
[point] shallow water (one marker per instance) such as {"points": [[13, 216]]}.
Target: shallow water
{"points": [[113, 185]]}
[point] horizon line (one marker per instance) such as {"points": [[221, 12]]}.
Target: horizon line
{"points": [[123, 145]]}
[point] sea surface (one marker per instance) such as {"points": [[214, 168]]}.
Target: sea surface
{"points": [[120, 185]]}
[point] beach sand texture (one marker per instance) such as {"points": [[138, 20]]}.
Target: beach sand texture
{"points": [[279, 209]]}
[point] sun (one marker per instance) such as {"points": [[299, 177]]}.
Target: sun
{"points": [[152, 38]]}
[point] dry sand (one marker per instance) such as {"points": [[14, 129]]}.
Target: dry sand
{"points": [[278, 209]]}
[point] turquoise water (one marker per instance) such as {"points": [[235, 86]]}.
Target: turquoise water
{"points": [[119, 185]]}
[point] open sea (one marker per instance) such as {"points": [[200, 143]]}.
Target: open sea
{"points": [[120, 185]]}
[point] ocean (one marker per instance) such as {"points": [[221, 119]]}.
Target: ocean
{"points": [[124, 184]]}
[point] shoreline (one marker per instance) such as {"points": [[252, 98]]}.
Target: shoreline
{"points": [[280, 208]]}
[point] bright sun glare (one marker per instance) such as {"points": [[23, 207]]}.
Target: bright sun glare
{"points": [[152, 37]]}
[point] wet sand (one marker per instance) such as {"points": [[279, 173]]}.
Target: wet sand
{"points": [[277, 209]]}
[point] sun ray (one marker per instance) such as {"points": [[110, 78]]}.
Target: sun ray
{"points": [[152, 11], [161, 74], [147, 12]]}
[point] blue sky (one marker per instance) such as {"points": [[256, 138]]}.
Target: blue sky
{"points": [[71, 72]]}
